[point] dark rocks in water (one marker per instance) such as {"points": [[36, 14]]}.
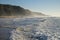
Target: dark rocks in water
{"points": [[42, 37], [39, 37]]}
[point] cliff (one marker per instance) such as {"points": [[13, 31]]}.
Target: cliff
{"points": [[15, 11]]}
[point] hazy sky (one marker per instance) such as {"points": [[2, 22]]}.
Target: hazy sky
{"points": [[49, 7]]}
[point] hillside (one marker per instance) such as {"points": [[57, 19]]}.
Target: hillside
{"points": [[16, 11]]}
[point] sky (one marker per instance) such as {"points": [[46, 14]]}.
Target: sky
{"points": [[48, 7]]}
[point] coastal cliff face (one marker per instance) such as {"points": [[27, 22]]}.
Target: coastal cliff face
{"points": [[10, 10], [15, 11]]}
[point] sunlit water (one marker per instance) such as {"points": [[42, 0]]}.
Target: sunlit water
{"points": [[40, 28]]}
